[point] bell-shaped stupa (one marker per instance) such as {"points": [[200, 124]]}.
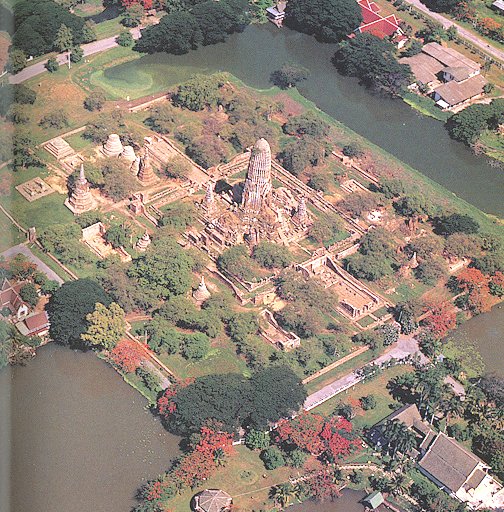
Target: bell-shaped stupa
{"points": [[128, 154], [143, 242], [201, 293], [113, 147], [81, 199], [301, 215], [258, 187], [146, 173]]}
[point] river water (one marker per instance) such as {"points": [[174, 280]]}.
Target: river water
{"points": [[81, 439], [252, 55]]}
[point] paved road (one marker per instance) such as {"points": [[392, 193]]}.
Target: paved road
{"points": [[403, 348], [22, 249], [89, 49], [463, 32]]}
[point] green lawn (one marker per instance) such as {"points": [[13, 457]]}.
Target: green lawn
{"points": [[426, 106], [10, 234], [385, 404]]}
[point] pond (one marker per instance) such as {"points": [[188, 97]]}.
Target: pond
{"points": [[81, 439], [349, 501], [252, 55]]}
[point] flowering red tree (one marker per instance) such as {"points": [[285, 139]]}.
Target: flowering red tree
{"points": [[303, 431], [442, 319], [146, 4], [322, 483], [338, 438], [166, 405], [476, 284], [199, 464], [127, 355]]}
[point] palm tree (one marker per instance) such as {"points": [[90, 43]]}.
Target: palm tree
{"points": [[453, 407], [399, 484], [401, 438], [282, 494], [220, 457]]}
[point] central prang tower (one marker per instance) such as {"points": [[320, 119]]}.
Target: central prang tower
{"points": [[258, 187]]}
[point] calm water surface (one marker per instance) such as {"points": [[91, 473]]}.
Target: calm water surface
{"points": [[252, 55], [81, 439], [347, 502]]}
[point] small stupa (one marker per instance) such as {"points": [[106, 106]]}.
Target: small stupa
{"points": [[413, 262], [128, 154], [143, 242], [201, 293], [209, 200], [146, 173], [135, 166], [301, 215], [81, 199], [113, 147]]}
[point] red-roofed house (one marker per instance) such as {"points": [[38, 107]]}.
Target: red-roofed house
{"points": [[10, 298], [36, 324], [374, 23]]}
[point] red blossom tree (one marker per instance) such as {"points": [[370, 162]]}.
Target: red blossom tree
{"points": [[442, 319], [166, 405], [127, 355], [303, 431], [338, 438], [476, 284]]}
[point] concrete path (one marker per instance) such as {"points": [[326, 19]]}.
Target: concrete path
{"points": [[22, 249], [463, 32], [405, 346], [89, 49]]}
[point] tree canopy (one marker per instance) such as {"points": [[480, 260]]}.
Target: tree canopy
{"points": [[329, 21], [372, 60], [69, 306]]}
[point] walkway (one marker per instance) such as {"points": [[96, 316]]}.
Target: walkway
{"points": [[22, 249], [89, 49], [404, 348], [462, 32]]}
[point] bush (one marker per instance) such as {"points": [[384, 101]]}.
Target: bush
{"points": [[368, 402], [94, 101], [352, 151], [272, 458], [52, 65], [28, 293], [76, 54], [195, 346], [125, 39], [257, 440], [289, 75], [56, 119]]}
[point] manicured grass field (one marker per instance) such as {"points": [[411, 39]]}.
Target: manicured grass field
{"points": [[426, 106], [377, 387], [10, 234]]}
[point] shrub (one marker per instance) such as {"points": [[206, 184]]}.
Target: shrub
{"points": [[368, 402], [52, 65], [272, 458], [94, 101], [125, 39]]}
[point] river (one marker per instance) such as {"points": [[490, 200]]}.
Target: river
{"points": [[81, 439], [252, 55]]}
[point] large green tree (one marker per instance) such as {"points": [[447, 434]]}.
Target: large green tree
{"points": [[372, 60], [328, 20], [68, 308], [106, 326]]}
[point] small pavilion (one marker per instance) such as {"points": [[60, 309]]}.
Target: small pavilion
{"points": [[211, 500]]}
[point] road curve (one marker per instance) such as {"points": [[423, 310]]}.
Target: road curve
{"points": [[463, 32], [89, 49]]}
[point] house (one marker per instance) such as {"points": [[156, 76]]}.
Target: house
{"points": [[452, 94], [382, 27], [461, 474], [211, 500], [407, 414], [374, 500], [498, 6], [276, 13], [10, 299], [36, 324]]}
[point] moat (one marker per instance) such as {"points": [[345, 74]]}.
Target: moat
{"points": [[391, 124]]}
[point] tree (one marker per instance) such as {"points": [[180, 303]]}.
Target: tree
{"points": [[276, 392], [430, 272], [89, 31], [165, 270], [69, 306], [118, 183], [307, 124], [133, 15], [257, 439], [237, 261], [106, 326], [17, 61], [52, 65], [412, 206], [326, 229], [18, 114], [178, 168], [272, 458], [64, 40], [442, 319], [399, 438], [76, 54], [127, 355], [118, 235], [163, 336], [162, 119], [125, 39], [457, 223], [55, 119], [373, 61], [29, 294], [176, 33], [195, 346], [23, 149], [406, 314], [328, 20], [199, 92], [95, 101], [370, 267], [270, 255], [468, 124], [368, 402], [414, 48], [301, 153], [352, 151], [442, 5], [359, 203], [289, 75], [282, 494], [178, 217]]}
